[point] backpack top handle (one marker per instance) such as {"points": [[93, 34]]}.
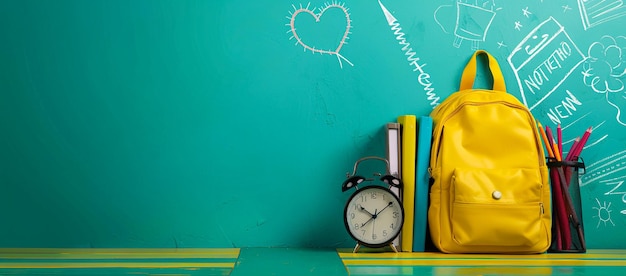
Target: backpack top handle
{"points": [[469, 73]]}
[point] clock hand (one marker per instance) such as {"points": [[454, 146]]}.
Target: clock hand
{"points": [[390, 203], [374, 228], [372, 218], [363, 209]]}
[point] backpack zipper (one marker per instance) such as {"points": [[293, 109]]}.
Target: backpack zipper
{"points": [[456, 110]]}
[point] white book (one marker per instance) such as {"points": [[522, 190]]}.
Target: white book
{"points": [[394, 158]]}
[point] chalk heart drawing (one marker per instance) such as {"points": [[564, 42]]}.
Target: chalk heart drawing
{"points": [[307, 11]]}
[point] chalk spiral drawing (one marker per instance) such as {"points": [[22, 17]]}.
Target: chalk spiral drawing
{"points": [[604, 213], [317, 17], [604, 68], [473, 19], [423, 78], [596, 12]]}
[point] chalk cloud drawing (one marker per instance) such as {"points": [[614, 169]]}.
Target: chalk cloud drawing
{"points": [[604, 69], [543, 60], [423, 78], [473, 19], [596, 12], [298, 12], [604, 213]]}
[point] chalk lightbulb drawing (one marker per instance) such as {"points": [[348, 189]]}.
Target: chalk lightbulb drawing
{"points": [[317, 16]]}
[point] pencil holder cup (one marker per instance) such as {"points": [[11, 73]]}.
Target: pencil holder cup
{"points": [[567, 224]]}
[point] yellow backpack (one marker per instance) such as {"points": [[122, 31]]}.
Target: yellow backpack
{"points": [[490, 191]]}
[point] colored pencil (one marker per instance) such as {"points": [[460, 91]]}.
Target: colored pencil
{"points": [[559, 205], [559, 137]]}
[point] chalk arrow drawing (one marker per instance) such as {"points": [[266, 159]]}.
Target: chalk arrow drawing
{"points": [[423, 77], [317, 16]]}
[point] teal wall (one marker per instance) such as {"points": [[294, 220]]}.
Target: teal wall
{"points": [[156, 123]]}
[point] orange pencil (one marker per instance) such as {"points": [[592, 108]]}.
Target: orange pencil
{"points": [[559, 138], [545, 140]]}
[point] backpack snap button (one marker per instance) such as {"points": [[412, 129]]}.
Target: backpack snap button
{"points": [[496, 195]]}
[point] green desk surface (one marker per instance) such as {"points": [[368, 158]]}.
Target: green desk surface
{"points": [[299, 261], [288, 261]]}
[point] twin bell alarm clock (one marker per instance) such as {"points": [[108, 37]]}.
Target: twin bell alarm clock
{"points": [[373, 215]]}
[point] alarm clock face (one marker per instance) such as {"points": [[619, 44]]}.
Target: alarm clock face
{"points": [[373, 216]]}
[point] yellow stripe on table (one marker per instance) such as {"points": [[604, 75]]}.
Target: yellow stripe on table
{"points": [[483, 262], [117, 253], [436, 259], [39, 265]]}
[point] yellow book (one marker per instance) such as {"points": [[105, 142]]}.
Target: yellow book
{"points": [[409, 137]]}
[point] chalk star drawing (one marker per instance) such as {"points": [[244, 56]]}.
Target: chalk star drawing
{"points": [[604, 213], [596, 12], [566, 8], [604, 69], [526, 12], [317, 17], [518, 25], [501, 44], [473, 20]]}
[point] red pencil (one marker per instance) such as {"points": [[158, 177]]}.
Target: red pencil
{"points": [[570, 157], [583, 141], [570, 153]]}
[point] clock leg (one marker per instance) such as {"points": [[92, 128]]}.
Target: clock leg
{"points": [[393, 247], [356, 248]]}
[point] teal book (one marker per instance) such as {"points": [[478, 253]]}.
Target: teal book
{"points": [[422, 162]]}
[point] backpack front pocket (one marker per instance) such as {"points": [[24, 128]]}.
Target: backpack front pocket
{"points": [[496, 207]]}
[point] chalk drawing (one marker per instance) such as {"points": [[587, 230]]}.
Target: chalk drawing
{"points": [[293, 15], [473, 19], [518, 26], [566, 8], [618, 189], [501, 44], [604, 69], [604, 213], [526, 13], [543, 60], [423, 77], [604, 167], [596, 12]]}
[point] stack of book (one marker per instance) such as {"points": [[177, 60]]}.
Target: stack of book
{"points": [[408, 152]]}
